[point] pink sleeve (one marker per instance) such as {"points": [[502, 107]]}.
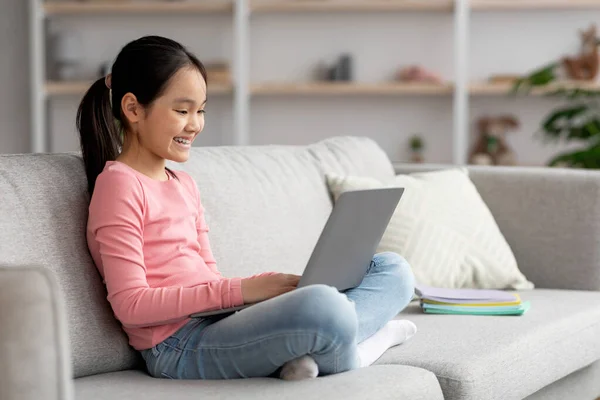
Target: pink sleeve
{"points": [[202, 229], [116, 221]]}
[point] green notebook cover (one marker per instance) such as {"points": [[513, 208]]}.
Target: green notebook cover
{"points": [[509, 310]]}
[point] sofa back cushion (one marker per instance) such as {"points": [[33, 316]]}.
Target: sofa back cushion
{"points": [[265, 207], [43, 215]]}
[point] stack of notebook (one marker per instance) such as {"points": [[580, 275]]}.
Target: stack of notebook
{"points": [[470, 301]]}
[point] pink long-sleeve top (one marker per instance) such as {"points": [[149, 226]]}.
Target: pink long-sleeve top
{"points": [[149, 240]]}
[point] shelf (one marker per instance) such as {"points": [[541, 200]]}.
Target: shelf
{"points": [[142, 7], [267, 6], [400, 89], [500, 89], [79, 88], [324, 88], [511, 5]]}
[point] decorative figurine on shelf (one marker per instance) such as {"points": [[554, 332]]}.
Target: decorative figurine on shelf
{"points": [[341, 70], [585, 65], [104, 69], [490, 147], [67, 52], [417, 73], [417, 145]]}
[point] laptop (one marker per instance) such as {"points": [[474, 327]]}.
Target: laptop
{"points": [[347, 243]]}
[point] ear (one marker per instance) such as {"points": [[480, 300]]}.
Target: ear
{"points": [[131, 109]]}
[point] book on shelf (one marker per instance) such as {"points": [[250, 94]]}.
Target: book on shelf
{"points": [[470, 301]]}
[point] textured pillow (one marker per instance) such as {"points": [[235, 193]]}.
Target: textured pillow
{"points": [[445, 231]]}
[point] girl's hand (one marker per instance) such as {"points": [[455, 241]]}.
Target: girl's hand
{"points": [[265, 287]]}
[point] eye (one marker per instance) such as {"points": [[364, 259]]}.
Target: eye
{"points": [[201, 111], [182, 112]]}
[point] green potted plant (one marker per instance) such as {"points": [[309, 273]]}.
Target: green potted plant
{"points": [[416, 144], [578, 118]]}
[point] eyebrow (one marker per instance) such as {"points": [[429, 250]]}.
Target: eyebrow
{"points": [[186, 100]]}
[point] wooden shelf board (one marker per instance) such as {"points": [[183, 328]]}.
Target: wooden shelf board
{"points": [[79, 88], [350, 5], [509, 5], [141, 7], [488, 88], [325, 88]]}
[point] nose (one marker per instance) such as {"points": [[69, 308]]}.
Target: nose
{"points": [[194, 124]]}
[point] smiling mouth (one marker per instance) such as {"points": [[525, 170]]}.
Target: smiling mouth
{"points": [[183, 142]]}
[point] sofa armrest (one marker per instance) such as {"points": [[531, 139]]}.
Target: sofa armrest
{"points": [[35, 359], [550, 218]]}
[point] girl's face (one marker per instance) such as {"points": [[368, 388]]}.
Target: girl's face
{"points": [[172, 122]]}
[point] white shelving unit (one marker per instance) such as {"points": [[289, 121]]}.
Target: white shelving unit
{"points": [[43, 89], [243, 91]]}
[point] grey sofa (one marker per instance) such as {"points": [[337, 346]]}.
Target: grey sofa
{"points": [[265, 207]]}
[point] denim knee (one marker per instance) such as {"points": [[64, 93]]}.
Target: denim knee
{"points": [[396, 265], [325, 310]]}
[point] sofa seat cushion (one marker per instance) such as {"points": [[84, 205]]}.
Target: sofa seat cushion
{"points": [[490, 357], [377, 382]]}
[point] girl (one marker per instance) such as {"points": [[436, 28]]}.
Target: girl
{"points": [[148, 237]]}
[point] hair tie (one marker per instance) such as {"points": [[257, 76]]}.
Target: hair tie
{"points": [[108, 83]]}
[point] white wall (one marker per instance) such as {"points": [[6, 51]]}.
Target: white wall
{"points": [[14, 78], [288, 47]]}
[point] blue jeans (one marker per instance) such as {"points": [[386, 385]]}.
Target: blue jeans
{"points": [[316, 320]]}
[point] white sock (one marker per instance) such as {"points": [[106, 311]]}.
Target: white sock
{"points": [[304, 367], [393, 333]]}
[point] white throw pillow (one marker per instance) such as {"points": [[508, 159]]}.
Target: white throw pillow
{"points": [[444, 230]]}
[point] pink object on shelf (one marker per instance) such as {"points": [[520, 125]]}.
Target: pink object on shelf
{"points": [[416, 73]]}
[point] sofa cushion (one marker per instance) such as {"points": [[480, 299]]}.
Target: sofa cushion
{"points": [[377, 382], [443, 210], [490, 357], [43, 214], [265, 206]]}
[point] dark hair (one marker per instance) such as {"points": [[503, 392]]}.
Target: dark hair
{"points": [[143, 68]]}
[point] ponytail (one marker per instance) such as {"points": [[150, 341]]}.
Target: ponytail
{"points": [[99, 134]]}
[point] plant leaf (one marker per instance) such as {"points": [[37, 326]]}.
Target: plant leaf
{"points": [[587, 158], [539, 77], [561, 119]]}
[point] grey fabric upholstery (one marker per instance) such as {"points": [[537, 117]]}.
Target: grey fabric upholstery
{"points": [[43, 215], [581, 384], [35, 359], [381, 382], [266, 205], [491, 358], [550, 218], [352, 156]]}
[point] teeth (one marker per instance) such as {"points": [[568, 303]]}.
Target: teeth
{"points": [[182, 141]]}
